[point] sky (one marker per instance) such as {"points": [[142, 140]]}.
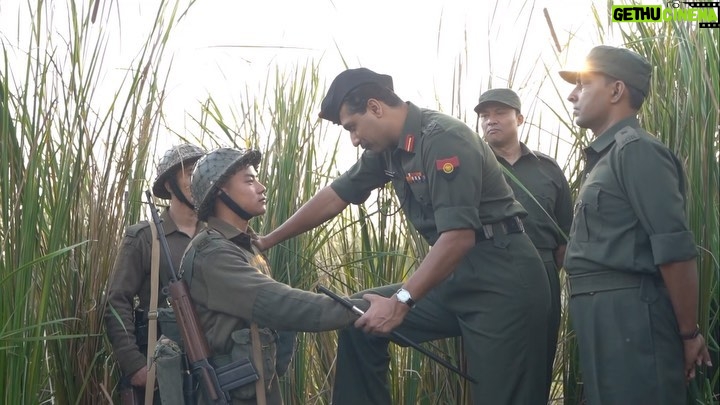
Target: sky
{"points": [[225, 48]]}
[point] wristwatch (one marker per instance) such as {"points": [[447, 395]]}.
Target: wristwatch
{"points": [[692, 335], [404, 296]]}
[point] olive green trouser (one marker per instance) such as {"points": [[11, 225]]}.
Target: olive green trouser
{"points": [[628, 339], [548, 258], [497, 299]]}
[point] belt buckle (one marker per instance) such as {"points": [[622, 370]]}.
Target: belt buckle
{"points": [[487, 231]]}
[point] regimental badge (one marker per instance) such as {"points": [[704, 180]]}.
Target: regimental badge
{"points": [[416, 177], [448, 167]]}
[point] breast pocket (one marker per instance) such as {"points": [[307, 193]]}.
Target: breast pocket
{"points": [[421, 194], [587, 224]]}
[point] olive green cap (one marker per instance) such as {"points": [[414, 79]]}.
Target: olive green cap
{"points": [[502, 96], [623, 64], [213, 170], [343, 84], [172, 160]]}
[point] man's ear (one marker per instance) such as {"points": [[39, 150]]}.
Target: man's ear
{"points": [[618, 90], [375, 107], [167, 186], [520, 119]]}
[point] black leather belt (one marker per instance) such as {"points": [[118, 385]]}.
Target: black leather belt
{"points": [[506, 226]]}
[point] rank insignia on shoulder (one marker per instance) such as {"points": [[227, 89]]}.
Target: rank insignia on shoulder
{"points": [[415, 177], [448, 167], [409, 143]]}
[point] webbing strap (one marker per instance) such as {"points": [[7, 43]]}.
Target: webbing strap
{"points": [[152, 314]]}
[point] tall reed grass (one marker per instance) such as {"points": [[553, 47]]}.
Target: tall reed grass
{"points": [[71, 176], [72, 173]]}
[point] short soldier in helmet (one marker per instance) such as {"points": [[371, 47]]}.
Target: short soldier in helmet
{"points": [[230, 281], [131, 272]]}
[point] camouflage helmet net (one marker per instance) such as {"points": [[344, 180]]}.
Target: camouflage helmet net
{"points": [[213, 170], [173, 159]]}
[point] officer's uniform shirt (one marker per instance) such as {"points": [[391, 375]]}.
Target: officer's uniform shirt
{"points": [[231, 286], [131, 277], [434, 171], [543, 178], [630, 212]]}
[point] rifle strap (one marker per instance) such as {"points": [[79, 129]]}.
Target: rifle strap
{"points": [[257, 357], [153, 313]]}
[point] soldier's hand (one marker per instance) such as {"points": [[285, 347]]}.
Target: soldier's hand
{"points": [[384, 314], [696, 354], [139, 378], [261, 243]]}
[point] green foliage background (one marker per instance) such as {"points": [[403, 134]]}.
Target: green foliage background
{"points": [[71, 177]]}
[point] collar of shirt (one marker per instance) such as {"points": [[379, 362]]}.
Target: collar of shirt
{"points": [[168, 224], [607, 138], [524, 151], [238, 237], [411, 129]]}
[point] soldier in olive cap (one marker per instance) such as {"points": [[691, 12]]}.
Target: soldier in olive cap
{"points": [[545, 193], [230, 280], [131, 272], [482, 279], [631, 257]]}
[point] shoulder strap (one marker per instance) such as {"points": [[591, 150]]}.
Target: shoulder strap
{"points": [[152, 314], [625, 136], [187, 264], [257, 357]]}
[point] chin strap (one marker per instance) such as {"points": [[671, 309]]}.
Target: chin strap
{"points": [[234, 207], [179, 194]]}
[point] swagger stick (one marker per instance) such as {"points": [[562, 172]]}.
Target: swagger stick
{"points": [[399, 337]]}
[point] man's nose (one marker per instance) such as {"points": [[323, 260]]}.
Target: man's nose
{"points": [[573, 96], [354, 139]]}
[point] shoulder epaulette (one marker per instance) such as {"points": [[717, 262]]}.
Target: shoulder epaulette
{"points": [[134, 230], [205, 237], [625, 136]]}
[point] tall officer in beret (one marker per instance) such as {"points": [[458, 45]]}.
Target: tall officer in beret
{"points": [[131, 271], [482, 279], [545, 193], [631, 256]]}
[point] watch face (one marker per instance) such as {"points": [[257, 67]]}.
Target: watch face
{"points": [[403, 295]]}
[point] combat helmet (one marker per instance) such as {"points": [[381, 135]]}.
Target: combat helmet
{"points": [[213, 170], [172, 160]]}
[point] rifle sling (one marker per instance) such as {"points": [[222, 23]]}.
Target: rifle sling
{"points": [[152, 314]]}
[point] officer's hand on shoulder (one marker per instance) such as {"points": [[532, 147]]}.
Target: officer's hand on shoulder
{"points": [[262, 243]]}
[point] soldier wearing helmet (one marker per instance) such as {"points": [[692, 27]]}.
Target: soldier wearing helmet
{"points": [[230, 280], [125, 322]]}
